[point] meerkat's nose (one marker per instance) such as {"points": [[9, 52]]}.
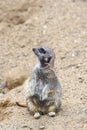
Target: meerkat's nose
{"points": [[34, 49]]}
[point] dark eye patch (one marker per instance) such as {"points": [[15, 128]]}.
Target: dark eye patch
{"points": [[41, 50]]}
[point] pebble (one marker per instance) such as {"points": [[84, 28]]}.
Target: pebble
{"points": [[2, 86], [51, 114], [1, 94], [44, 26], [42, 127], [84, 110], [81, 80], [37, 115], [14, 65], [73, 54]]}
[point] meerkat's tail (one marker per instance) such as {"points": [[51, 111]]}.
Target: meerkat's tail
{"points": [[21, 104]]}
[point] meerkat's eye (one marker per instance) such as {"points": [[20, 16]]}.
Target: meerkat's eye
{"points": [[41, 50]]}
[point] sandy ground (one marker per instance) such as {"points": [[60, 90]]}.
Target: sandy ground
{"points": [[61, 25]]}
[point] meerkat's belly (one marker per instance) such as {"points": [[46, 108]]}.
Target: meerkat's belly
{"points": [[43, 96], [39, 91]]}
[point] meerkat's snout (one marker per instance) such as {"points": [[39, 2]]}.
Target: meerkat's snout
{"points": [[34, 50]]}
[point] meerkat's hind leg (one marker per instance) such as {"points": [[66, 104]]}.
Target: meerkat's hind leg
{"points": [[30, 105], [53, 109], [32, 108], [58, 104]]}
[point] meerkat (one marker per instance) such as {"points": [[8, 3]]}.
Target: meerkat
{"points": [[43, 90]]}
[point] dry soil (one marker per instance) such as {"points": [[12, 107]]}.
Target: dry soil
{"points": [[61, 25]]}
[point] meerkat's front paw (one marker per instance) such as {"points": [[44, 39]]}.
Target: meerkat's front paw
{"points": [[51, 114], [37, 115]]}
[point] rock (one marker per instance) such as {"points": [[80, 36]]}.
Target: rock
{"points": [[14, 65], [81, 80], [37, 115], [1, 94], [51, 114], [42, 127], [73, 54], [84, 110]]}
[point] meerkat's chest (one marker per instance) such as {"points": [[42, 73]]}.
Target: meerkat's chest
{"points": [[39, 87], [43, 83]]}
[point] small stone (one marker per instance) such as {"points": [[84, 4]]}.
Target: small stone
{"points": [[22, 46], [14, 65], [36, 18], [2, 86], [51, 114], [81, 97], [42, 127], [73, 54], [63, 57], [44, 26], [37, 115], [25, 54], [1, 94], [44, 31], [84, 110], [81, 80], [25, 126]]}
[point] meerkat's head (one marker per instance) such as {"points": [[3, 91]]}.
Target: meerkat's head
{"points": [[45, 55]]}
